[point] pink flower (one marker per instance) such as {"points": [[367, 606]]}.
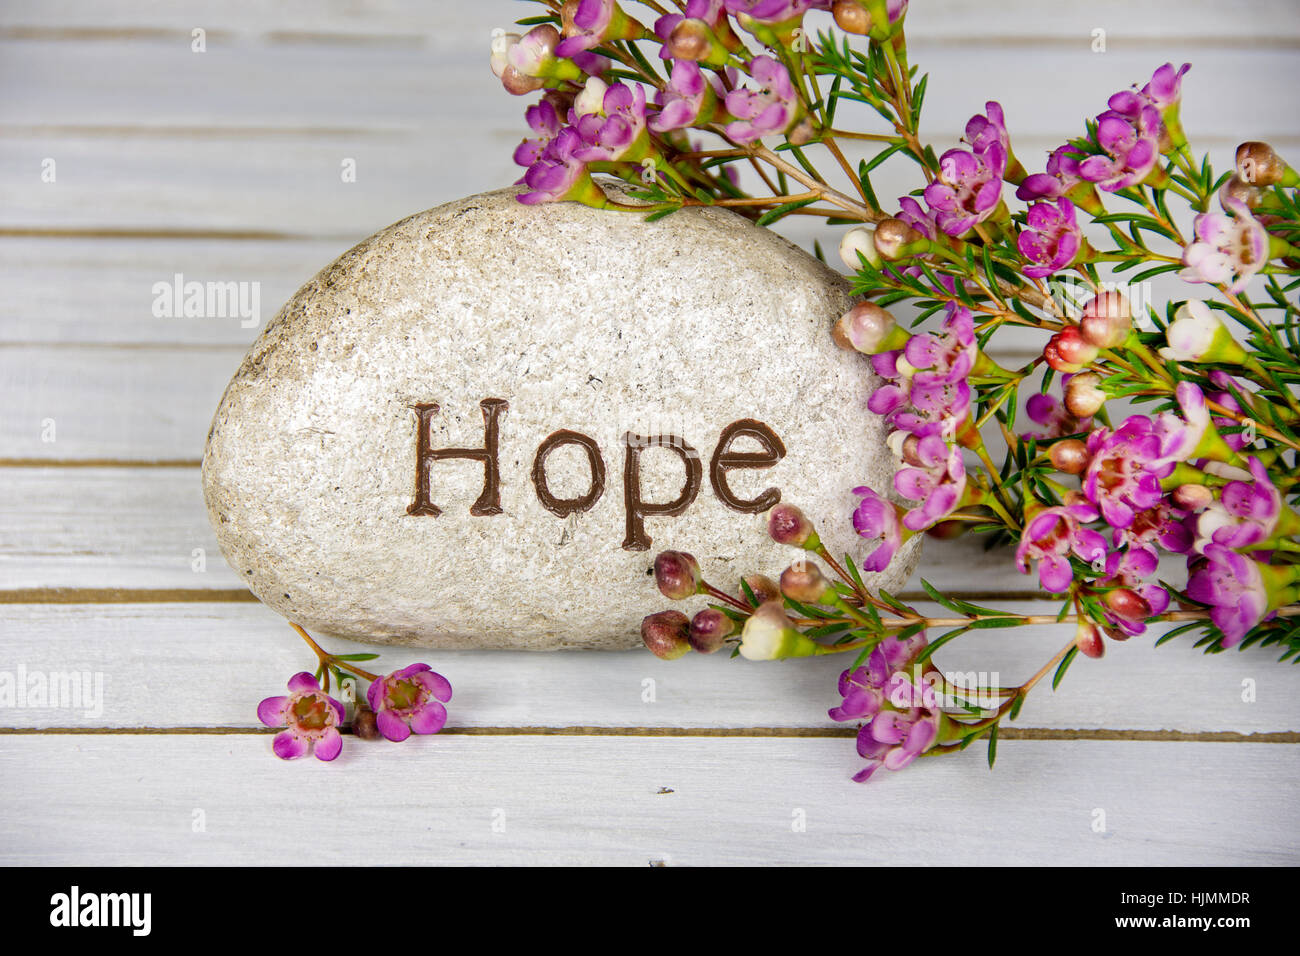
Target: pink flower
{"points": [[1131, 146], [937, 482], [1051, 536], [968, 189], [1247, 513], [1062, 176], [1128, 570], [410, 699], [773, 108], [311, 716], [610, 120], [1124, 470], [1232, 585], [543, 120], [1051, 240], [1228, 248], [688, 100], [877, 519], [594, 22], [558, 174]]}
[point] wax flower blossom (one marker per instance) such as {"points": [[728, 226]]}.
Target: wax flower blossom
{"points": [[876, 519], [593, 22], [1130, 148], [1198, 335], [545, 122], [969, 186], [1127, 608], [773, 108], [1230, 247], [611, 121], [1051, 536], [1052, 239], [902, 720], [1124, 470], [410, 699], [1239, 590], [558, 174], [311, 717], [689, 99]]}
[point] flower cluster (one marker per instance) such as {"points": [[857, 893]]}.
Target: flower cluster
{"points": [[408, 700], [1141, 463]]}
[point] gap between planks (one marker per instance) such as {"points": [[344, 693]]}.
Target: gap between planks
{"points": [[1004, 733]]}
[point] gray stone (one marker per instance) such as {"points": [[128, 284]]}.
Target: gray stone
{"points": [[594, 322]]}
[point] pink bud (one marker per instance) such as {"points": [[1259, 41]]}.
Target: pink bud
{"points": [[666, 634], [1087, 638], [677, 574], [710, 629], [864, 328], [804, 582], [787, 525], [1106, 320], [1083, 395]]}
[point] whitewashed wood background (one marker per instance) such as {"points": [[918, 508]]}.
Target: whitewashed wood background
{"points": [[225, 165]]}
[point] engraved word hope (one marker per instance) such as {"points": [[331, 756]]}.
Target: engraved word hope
{"points": [[636, 508]]}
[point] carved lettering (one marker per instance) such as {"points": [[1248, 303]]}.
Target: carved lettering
{"points": [[637, 509], [489, 502], [724, 459], [567, 506]]}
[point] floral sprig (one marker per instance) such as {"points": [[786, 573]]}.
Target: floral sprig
{"points": [[1155, 436], [408, 700]]}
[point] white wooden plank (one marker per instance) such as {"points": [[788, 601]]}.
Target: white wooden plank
{"points": [[637, 801], [87, 290], [227, 657], [341, 20], [150, 83], [141, 404]]}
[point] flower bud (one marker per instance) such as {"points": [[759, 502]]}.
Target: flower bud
{"points": [[666, 634], [1083, 395], [695, 40], [851, 17], [1069, 456], [788, 525], [1087, 638], [804, 582], [677, 574], [1198, 335], [364, 723], [1259, 165], [1192, 497], [764, 588], [857, 244], [770, 635], [592, 98], [1068, 352], [1241, 191], [1106, 320], [895, 239], [710, 629], [501, 44], [1128, 604], [869, 329]]}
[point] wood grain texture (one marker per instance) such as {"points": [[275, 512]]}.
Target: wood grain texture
{"points": [[230, 656], [639, 801]]}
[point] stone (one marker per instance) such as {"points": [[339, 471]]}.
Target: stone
{"points": [[479, 426]]}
